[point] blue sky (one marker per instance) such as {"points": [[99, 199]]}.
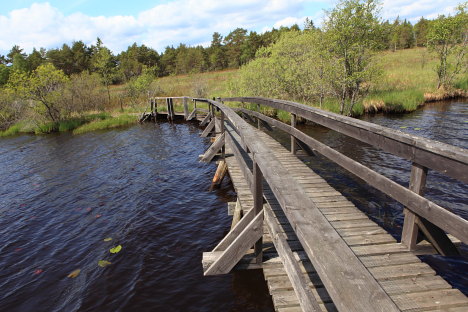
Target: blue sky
{"points": [[160, 23]]}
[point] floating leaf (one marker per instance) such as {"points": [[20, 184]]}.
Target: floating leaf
{"points": [[98, 216], [417, 129], [403, 127], [74, 273], [107, 239], [116, 249], [38, 271], [103, 263]]}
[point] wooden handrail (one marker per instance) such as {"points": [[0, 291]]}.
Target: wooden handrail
{"points": [[447, 159], [423, 207], [337, 265]]}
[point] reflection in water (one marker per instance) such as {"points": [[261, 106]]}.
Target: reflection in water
{"points": [[62, 195]]}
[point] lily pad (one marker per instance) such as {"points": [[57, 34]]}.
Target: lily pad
{"points": [[74, 273], [103, 263], [116, 249]]}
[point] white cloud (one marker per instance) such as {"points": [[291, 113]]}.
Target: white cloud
{"points": [[414, 10], [188, 21]]}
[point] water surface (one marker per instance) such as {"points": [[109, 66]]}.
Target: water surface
{"points": [[63, 195]]}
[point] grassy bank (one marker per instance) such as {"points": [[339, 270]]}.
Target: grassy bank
{"points": [[82, 124]]}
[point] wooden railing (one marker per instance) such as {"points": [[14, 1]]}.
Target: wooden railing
{"points": [[420, 213], [350, 285]]}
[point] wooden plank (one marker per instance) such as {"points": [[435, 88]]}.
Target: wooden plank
{"points": [[257, 193], [382, 260], [237, 249], [299, 283], [413, 285], [208, 129], [428, 300], [401, 271], [213, 149]]}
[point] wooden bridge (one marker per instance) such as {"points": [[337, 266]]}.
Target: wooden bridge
{"points": [[318, 251]]}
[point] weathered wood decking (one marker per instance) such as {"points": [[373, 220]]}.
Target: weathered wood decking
{"points": [[319, 252], [411, 284]]}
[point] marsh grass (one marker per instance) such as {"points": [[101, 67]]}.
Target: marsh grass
{"points": [[107, 123]]}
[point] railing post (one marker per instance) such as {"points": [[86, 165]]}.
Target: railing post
{"points": [[186, 110], [257, 191], [293, 139], [409, 235], [195, 108], [258, 119], [223, 150]]}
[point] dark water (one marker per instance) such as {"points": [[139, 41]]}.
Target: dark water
{"points": [[446, 122], [62, 195]]}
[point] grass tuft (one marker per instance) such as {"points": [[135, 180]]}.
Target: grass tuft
{"points": [[107, 123]]}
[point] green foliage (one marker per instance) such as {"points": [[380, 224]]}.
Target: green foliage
{"points": [[108, 123], [420, 32], [4, 74], [12, 130], [352, 28], [448, 39], [462, 83]]}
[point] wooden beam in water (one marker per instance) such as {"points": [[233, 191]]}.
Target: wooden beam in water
{"points": [[213, 149], [219, 174], [205, 120], [192, 114], [208, 128], [237, 249]]}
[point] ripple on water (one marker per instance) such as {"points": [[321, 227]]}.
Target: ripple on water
{"points": [[141, 186]]}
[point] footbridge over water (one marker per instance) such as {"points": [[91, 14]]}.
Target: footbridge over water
{"points": [[318, 252]]}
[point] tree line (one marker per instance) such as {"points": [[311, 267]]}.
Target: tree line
{"points": [[232, 51]]}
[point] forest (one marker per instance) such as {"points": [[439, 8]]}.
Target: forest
{"points": [[334, 62]]}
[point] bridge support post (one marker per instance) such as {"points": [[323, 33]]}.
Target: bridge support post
{"points": [[413, 224], [293, 139], [410, 227], [257, 192], [186, 110]]}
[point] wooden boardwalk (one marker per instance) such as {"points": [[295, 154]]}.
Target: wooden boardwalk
{"points": [[412, 284], [318, 252]]}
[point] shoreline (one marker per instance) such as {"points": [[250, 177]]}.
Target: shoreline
{"points": [[116, 119]]}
